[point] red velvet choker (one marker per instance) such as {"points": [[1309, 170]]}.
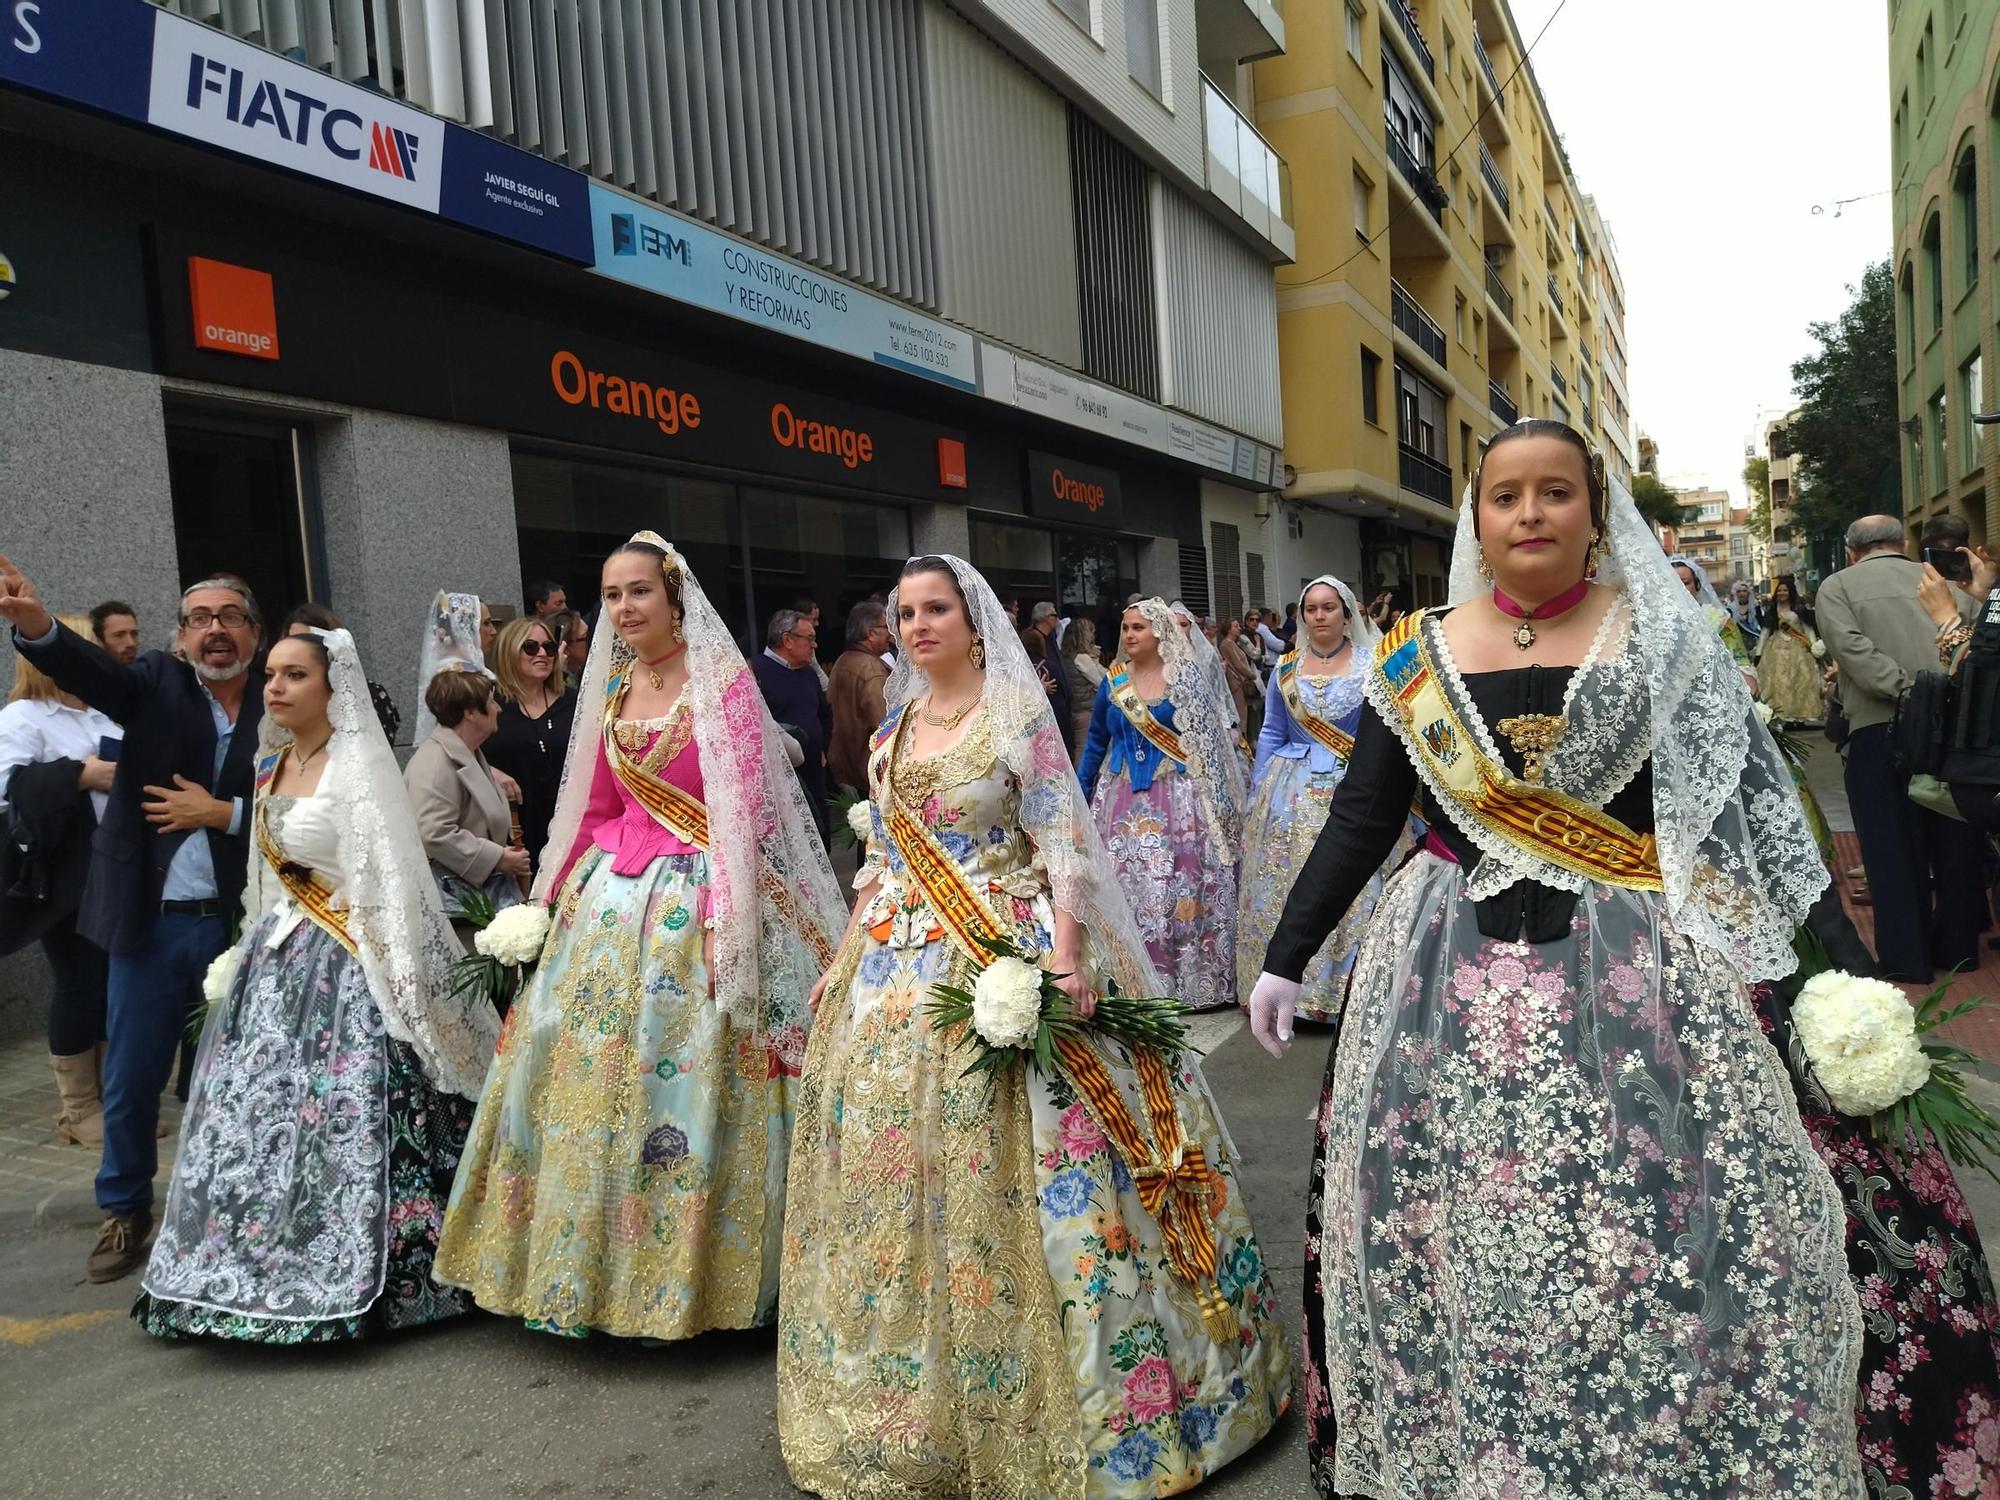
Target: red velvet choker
{"points": [[1548, 609]]}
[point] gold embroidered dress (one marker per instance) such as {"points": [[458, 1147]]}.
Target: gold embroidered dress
{"points": [[626, 1166], [974, 1298]]}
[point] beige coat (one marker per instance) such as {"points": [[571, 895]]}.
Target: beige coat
{"points": [[463, 818], [1877, 633]]}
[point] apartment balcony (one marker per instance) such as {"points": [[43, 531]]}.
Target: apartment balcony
{"points": [[1486, 64], [1502, 403], [1245, 174], [1414, 323], [1243, 30], [1406, 20], [1423, 475], [1556, 296], [1489, 173], [1497, 290], [1423, 182], [1560, 382]]}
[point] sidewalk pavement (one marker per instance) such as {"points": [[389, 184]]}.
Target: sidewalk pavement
{"points": [[43, 1183]]}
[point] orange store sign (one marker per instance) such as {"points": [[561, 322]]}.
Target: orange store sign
{"points": [[235, 308]]}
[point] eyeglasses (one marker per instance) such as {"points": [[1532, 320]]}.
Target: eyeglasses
{"points": [[201, 619], [537, 648]]}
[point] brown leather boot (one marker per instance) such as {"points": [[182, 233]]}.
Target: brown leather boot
{"points": [[121, 1246], [81, 1122]]}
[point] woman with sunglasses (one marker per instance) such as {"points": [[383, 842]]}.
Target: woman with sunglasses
{"points": [[535, 711]]}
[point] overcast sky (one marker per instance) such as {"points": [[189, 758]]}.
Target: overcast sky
{"points": [[1707, 131]]}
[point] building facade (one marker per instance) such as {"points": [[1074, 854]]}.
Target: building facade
{"points": [[1944, 90], [1706, 534], [1437, 295], [364, 302]]}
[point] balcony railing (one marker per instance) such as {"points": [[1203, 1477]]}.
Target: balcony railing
{"points": [[1419, 176], [1489, 172], [1557, 380], [1556, 296], [1414, 34], [1502, 403], [1243, 170], [1425, 475], [1409, 316], [1497, 290], [1486, 64]]}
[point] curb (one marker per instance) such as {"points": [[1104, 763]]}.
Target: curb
{"points": [[62, 1208]]}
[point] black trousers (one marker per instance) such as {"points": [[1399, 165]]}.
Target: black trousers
{"points": [[1924, 871], [76, 1009]]}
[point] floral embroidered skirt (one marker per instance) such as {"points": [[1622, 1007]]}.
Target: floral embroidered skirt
{"points": [[1285, 818], [626, 1168], [975, 1302], [1566, 1233], [1928, 1406], [1788, 678], [1182, 896], [313, 1165]]}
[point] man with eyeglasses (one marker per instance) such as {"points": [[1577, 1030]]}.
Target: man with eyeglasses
{"points": [[791, 687], [168, 858]]}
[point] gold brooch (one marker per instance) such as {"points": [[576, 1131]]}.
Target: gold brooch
{"points": [[1532, 736]]}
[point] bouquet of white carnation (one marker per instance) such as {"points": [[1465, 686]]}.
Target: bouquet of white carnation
{"points": [[503, 943], [221, 975], [1014, 1006], [1819, 650], [853, 819], [1867, 1046]]}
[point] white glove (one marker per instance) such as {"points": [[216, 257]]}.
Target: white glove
{"points": [[1273, 1003]]}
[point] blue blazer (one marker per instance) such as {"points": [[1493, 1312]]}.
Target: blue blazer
{"points": [[1115, 746], [169, 731]]}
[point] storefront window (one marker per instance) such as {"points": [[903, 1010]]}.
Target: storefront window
{"points": [[833, 552], [1019, 561]]}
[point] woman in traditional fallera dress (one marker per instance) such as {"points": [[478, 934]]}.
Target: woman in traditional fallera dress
{"points": [[1165, 784], [334, 1083], [1789, 667], [1311, 710], [626, 1170], [976, 1299], [1567, 1234]]}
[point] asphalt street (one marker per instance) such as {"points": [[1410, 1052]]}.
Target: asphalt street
{"points": [[481, 1407]]}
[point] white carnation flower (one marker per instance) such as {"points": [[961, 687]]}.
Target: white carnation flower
{"points": [[1861, 1037], [1007, 1002], [514, 936], [861, 818], [221, 975], [1819, 650], [1763, 711]]}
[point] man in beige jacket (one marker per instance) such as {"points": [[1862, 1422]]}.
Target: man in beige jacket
{"points": [[1923, 869]]}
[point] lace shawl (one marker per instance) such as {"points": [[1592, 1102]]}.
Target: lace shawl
{"points": [[761, 836], [1029, 744], [405, 944], [1737, 858]]}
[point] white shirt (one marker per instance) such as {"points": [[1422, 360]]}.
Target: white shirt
{"points": [[32, 732]]}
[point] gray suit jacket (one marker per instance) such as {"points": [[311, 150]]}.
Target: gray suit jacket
{"points": [[1878, 633], [460, 813]]}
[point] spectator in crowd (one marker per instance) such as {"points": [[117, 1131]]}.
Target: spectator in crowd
{"points": [[1388, 608], [311, 616], [536, 713], [809, 609], [547, 598], [114, 625], [573, 630], [786, 673], [1043, 622], [1274, 646], [1085, 667], [1928, 905], [168, 860], [1246, 689], [54, 783], [1289, 631], [854, 692], [462, 814]]}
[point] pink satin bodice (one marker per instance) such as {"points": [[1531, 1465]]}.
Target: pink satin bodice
{"points": [[616, 821]]}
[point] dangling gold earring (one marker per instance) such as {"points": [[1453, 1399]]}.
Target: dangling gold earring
{"points": [[977, 653], [1592, 563], [677, 630], [1485, 567]]}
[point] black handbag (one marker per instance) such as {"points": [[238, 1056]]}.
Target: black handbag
{"points": [[1917, 735]]}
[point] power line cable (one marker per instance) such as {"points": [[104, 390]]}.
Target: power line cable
{"points": [[1450, 156]]}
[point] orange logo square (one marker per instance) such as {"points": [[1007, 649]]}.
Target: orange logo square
{"points": [[951, 463], [235, 308]]}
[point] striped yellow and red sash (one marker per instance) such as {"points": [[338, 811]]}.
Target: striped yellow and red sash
{"points": [[685, 816], [1171, 1174], [1125, 694], [1548, 824], [309, 893], [1336, 739]]}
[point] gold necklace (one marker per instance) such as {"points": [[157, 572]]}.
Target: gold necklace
{"points": [[951, 720], [653, 676]]}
